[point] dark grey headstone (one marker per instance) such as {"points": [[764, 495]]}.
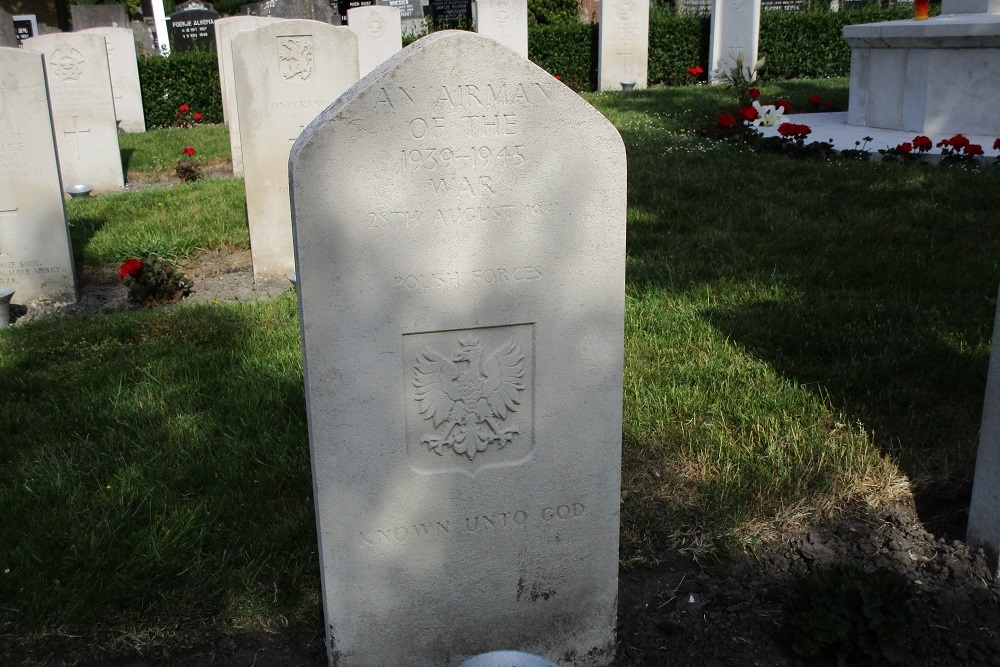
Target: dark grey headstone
{"points": [[408, 9], [314, 10], [192, 26], [98, 16], [7, 35], [145, 43], [25, 27], [344, 5], [451, 13]]}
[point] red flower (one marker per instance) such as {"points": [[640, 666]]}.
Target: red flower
{"points": [[815, 100], [784, 106], [828, 103], [958, 141], [922, 143], [794, 130], [747, 113], [188, 151], [130, 268], [727, 121], [973, 149], [755, 93], [996, 145], [558, 78], [197, 116], [905, 147], [695, 71], [183, 108]]}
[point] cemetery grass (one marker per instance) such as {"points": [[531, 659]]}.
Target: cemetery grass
{"points": [[803, 339]]}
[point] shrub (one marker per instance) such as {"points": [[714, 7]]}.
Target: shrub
{"points": [[567, 50], [190, 78]]}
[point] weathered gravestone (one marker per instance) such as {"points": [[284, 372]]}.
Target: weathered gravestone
{"points": [[984, 511], [191, 27], [506, 21], [623, 44], [35, 255], [314, 10], [83, 108], [8, 37], [380, 34], [225, 30], [98, 16], [345, 6], [451, 13], [124, 69], [735, 29], [285, 73], [459, 221]]}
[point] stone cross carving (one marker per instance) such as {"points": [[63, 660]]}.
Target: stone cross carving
{"points": [[625, 52], [77, 131]]}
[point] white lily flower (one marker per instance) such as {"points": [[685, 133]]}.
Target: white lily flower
{"points": [[768, 115]]}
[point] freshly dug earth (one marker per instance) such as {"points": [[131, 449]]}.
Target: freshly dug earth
{"points": [[679, 613]]}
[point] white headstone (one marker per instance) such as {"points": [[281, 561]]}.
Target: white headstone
{"points": [[380, 34], [459, 221], [35, 255], [984, 510], [124, 68], [286, 73], [83, 108], [623, 45], [506, 21], [225, 30], [735, 29]]}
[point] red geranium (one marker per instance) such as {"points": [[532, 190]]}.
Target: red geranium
{"points": [[188, 151], [973, 149], [727, 121], [815, 100], [794, 130], [695, 71], [996, 145], [197, 116], [747, 113], [905, 147], [558, 78], [958, 142], [183, 108], [922, 143], [784, 106], [130, 268], [754, 93]]}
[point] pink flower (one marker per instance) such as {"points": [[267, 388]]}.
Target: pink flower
{"points": [[188, 151]]}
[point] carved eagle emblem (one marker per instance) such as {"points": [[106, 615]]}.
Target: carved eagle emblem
{"points": [[469, 396]]}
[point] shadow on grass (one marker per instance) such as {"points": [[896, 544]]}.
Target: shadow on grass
{"points": [[170, 452]]}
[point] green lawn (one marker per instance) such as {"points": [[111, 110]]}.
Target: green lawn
{"points": [[800, 336]]}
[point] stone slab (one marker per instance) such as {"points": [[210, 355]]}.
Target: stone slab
{"points": [[506, 21], [35, 255], [380, 34], [98, 16], [623, 44], [225, 30], [286, 73], [459, 218], [8, 37], [984, 511], [83, 108], [735, 29], [123, 65]]}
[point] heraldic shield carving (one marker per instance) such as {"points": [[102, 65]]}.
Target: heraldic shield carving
{"points": [[295, 54], [469, 398]]}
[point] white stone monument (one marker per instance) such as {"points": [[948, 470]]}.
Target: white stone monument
{"points": [[735, 29], [83, 108], [623, 44], [984, 511], [937, 77], [459, 220], [225, 30], [286, 73], [506, 21], [124, 68], [380, 34], [35, 255]]}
